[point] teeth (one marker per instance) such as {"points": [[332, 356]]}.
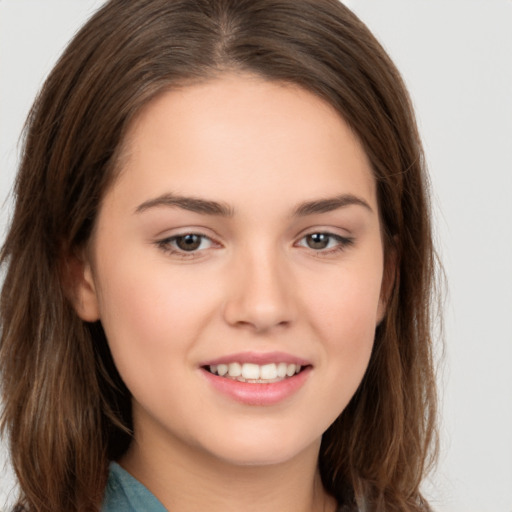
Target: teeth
{"points": [[268, 371], [281, 370], [290, 370], [234, 370], [251, 372]]}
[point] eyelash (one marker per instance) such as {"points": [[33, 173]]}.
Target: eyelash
{"points": [[342, 243], [168, 245]]}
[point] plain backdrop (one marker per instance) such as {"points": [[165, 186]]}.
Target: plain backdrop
{"points": [[456, 57]]}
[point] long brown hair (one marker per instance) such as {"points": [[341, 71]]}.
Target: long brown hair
{"points": [[66, 411]]}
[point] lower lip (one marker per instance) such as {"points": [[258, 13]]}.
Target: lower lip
{"points": [[258, 394]]}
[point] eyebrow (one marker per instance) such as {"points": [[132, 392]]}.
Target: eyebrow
{"points": [[330, 204], [193, 204], [209, 207]]}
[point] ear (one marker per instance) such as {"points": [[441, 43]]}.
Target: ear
{"points": [[79, 286], [389, 279]]}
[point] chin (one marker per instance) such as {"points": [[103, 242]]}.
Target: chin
{"points": [[261, 451]]}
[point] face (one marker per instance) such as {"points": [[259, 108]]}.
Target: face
{"points": [[236, 266]]}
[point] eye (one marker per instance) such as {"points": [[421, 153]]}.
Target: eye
{"points": [[190, 242], [186, 243], [325, 242]]}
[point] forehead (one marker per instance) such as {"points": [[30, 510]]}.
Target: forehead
{"points": [[238, 132]]}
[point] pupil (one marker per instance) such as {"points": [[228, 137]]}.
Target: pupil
{"points": [[318, 241], [188, 242]]}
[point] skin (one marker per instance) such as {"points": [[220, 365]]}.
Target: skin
{"points": [[259, 149]]}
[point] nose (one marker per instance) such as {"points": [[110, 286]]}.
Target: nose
{"points": [[261, 292]]}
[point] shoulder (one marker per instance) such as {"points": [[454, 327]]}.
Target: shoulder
{"points": [[126, 494]]}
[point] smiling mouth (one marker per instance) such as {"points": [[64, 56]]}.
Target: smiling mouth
{"points": [[254, 373]]}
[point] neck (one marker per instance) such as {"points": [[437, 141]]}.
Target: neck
{"points": [[185, 479]]}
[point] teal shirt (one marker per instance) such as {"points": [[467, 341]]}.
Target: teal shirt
{"points": [[126, 494]]}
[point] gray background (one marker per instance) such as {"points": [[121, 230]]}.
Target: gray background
{"points": [[456, 58]]}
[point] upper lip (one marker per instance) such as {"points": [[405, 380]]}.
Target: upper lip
{"points": [[259, 358]]}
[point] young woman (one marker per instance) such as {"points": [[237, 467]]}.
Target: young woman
{"points": [[219, 270]]}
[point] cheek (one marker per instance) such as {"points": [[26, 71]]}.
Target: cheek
{"points": [[345, 316], [150, 317], [348, 302]]}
